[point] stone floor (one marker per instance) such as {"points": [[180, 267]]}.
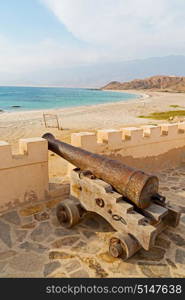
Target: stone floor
{"points": [[33, 244]]}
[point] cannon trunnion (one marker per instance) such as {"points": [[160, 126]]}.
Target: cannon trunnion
{"points": [[127, 198]]}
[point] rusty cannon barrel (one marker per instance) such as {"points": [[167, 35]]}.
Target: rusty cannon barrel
{"points": [[140, 188]]}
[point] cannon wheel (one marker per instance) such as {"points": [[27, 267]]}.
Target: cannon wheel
{"points": [[116, 248], [68, 213], [123, 245]]}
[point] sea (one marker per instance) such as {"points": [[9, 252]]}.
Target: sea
{"points": [[38, 98]]}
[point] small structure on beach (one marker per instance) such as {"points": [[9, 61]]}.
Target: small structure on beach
{"points": [[51, 121]]}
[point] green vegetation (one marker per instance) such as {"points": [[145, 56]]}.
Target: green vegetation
{"points": [[165, 115], [174, 105]]}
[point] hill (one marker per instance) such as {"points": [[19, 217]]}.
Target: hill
{"points": [[154, 83]]}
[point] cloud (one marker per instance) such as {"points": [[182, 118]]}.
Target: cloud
{"points": [[125, 28], [110, 31], [44, 55]]}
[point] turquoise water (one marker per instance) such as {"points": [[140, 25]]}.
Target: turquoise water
{"points": [[33, 98]]}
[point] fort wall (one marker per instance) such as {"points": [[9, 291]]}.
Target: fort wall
{"points": [[23, 176], [148, 147]]}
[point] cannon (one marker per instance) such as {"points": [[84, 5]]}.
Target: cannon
{"points": [[126, 197]]}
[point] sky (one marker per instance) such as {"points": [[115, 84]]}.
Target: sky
{"points": [[41, 39]]}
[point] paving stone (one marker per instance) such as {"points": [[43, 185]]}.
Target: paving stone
{"points": [[60, 255], [107, 257], [41, 216], [89, 234], [12, 217], [180, 256], [2, 266], [31, 210], [175, 188], [81, 246], [3, 246], [164, 188], [7, 254], [29, 225], [154, 254], [59, 275], [72, 265], [52, 211], [182, 173], [63, 232], [27, 220], [66, 241], [51, 267], [5, 234], [41, 232], [125, 269], [55, 222], [20, 235], [182, 209], [12, 274], [38, 248], [27, 262], [95, 246], [171, 263], [160, 242], [183, 219], [175, 173], [50, 239], [96, 267], [79, 274], [176, 238], [173, 178], [154, 270], [52, 203]]}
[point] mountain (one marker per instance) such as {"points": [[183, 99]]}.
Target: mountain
{"points": [[155, 83]]}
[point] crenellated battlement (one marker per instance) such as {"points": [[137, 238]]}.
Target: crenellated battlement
{"points": [[23, 176], [31, 151], [136, 142], [129, 137]]}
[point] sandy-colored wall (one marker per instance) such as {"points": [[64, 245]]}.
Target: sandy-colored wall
{"points": [[151, 148], [24, 176]]}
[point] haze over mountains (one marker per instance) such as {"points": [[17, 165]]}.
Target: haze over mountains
{"points": [[99, 74]]}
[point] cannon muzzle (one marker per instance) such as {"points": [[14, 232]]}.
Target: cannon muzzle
{"points": [[137, 186]]}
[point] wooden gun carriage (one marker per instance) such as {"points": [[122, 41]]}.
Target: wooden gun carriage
{"points": [[127, 198]]}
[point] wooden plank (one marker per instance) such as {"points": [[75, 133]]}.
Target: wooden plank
{"points": [[157, 212]]}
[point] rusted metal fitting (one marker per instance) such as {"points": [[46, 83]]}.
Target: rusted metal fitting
{"points": [[100, 202]]}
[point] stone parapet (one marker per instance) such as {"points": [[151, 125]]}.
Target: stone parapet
{"points": [[23, 176], [134, 142]]}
